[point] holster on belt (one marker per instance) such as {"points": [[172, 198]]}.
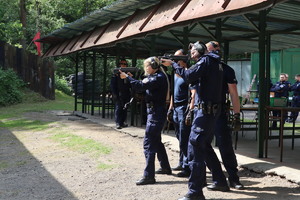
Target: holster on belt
{"points": [[209, 108]]}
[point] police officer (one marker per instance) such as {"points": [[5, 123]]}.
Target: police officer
{"points": [[179, 106], [121, 95], [208, 72], [156, 85], [281, 89], [295, 88], [222, 131]]}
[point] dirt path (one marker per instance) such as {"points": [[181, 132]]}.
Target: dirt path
{"points": [[33, 167]]}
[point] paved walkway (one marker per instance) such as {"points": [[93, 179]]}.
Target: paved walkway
{"points": [[246, 150]]}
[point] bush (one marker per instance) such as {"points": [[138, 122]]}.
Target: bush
{"points": [[10, 88], [62, 85]]}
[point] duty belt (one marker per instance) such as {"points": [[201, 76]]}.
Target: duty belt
{"points": [[208, 108], [152, 105], [180, 103]]}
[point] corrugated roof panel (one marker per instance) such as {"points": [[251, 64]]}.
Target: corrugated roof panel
{"points": [[285, 40], [288, 10]]}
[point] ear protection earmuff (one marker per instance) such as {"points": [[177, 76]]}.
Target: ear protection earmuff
{"points": [[153, 63], [214, 44]]}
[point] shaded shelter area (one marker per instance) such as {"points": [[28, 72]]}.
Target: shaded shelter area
{"points": [[137, 29]]}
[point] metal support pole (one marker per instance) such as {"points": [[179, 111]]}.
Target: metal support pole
{"points": [[185, 38], [104, 84], [226, 51], [118, 55], [133, 104], [262, 121], [76, 80], [268, 64], [84, 84], [218, 33], [93, 82]]}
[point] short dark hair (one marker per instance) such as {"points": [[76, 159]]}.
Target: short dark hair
{"points": [[123, 61]]}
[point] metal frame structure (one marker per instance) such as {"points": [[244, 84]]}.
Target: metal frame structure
{"points": [[154, 27]]}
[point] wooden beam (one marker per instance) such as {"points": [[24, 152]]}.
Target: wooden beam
{"points": [[102, 32], [225, 4], [150, 16], [66, 46], [126, 24], [181, 9], [75, 42], [86, 39]]}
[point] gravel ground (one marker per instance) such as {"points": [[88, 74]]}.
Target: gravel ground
{"points": [[33, 167]]}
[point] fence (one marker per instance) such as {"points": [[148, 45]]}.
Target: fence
{"points": [[38, 73]]}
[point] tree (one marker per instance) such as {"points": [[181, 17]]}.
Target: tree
{"points": [[20, 20]]}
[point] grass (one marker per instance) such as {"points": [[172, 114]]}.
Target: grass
{"points": [[10, 117], [25, 124], [35, 103], [103, 166], [81, 144], [3, 165]]}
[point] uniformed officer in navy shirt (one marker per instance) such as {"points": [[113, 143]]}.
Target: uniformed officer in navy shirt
{"points": [[156, 85], [121, 95], [179, 104], [281, 89], [295, 88], [223, 131], [208, 72]]}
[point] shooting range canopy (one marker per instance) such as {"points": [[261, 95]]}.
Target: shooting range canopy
{"points": [[128, 21]]}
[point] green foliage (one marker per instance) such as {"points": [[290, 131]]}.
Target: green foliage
{"points": [[33, 102], [62, 85], [10, 25], [10, 88], [43, 15], [64, 66]]}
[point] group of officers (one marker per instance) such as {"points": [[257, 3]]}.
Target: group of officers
{"points": [[281, 89], [199, 107]]}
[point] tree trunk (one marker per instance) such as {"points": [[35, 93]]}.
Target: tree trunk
{"points": [[23, 22]]}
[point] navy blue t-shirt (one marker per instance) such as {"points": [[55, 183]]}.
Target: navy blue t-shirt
{"points": [[180, 90]]}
